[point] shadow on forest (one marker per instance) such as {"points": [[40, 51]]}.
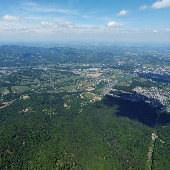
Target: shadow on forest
{"points": [[139, 110]]}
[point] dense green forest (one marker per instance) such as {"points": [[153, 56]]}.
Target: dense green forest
{"points": [[65, 139], [53, 137]]}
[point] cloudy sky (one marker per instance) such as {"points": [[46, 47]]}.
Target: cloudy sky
{"points": [[112, 20]]}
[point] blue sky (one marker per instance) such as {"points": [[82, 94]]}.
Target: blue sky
{"points": [[112, 20]]}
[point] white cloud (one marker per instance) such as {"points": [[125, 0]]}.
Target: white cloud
{"points": [[114, 24], [34, 7], [16, 28], [61, 26], [155, 31], [70, 31], [157, 5], [161, 4], [10, 18], [123, 13], [66, 24], [47, 24], [143, 7]]}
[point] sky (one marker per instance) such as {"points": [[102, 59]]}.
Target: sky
{"points": [[85, 20]]}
